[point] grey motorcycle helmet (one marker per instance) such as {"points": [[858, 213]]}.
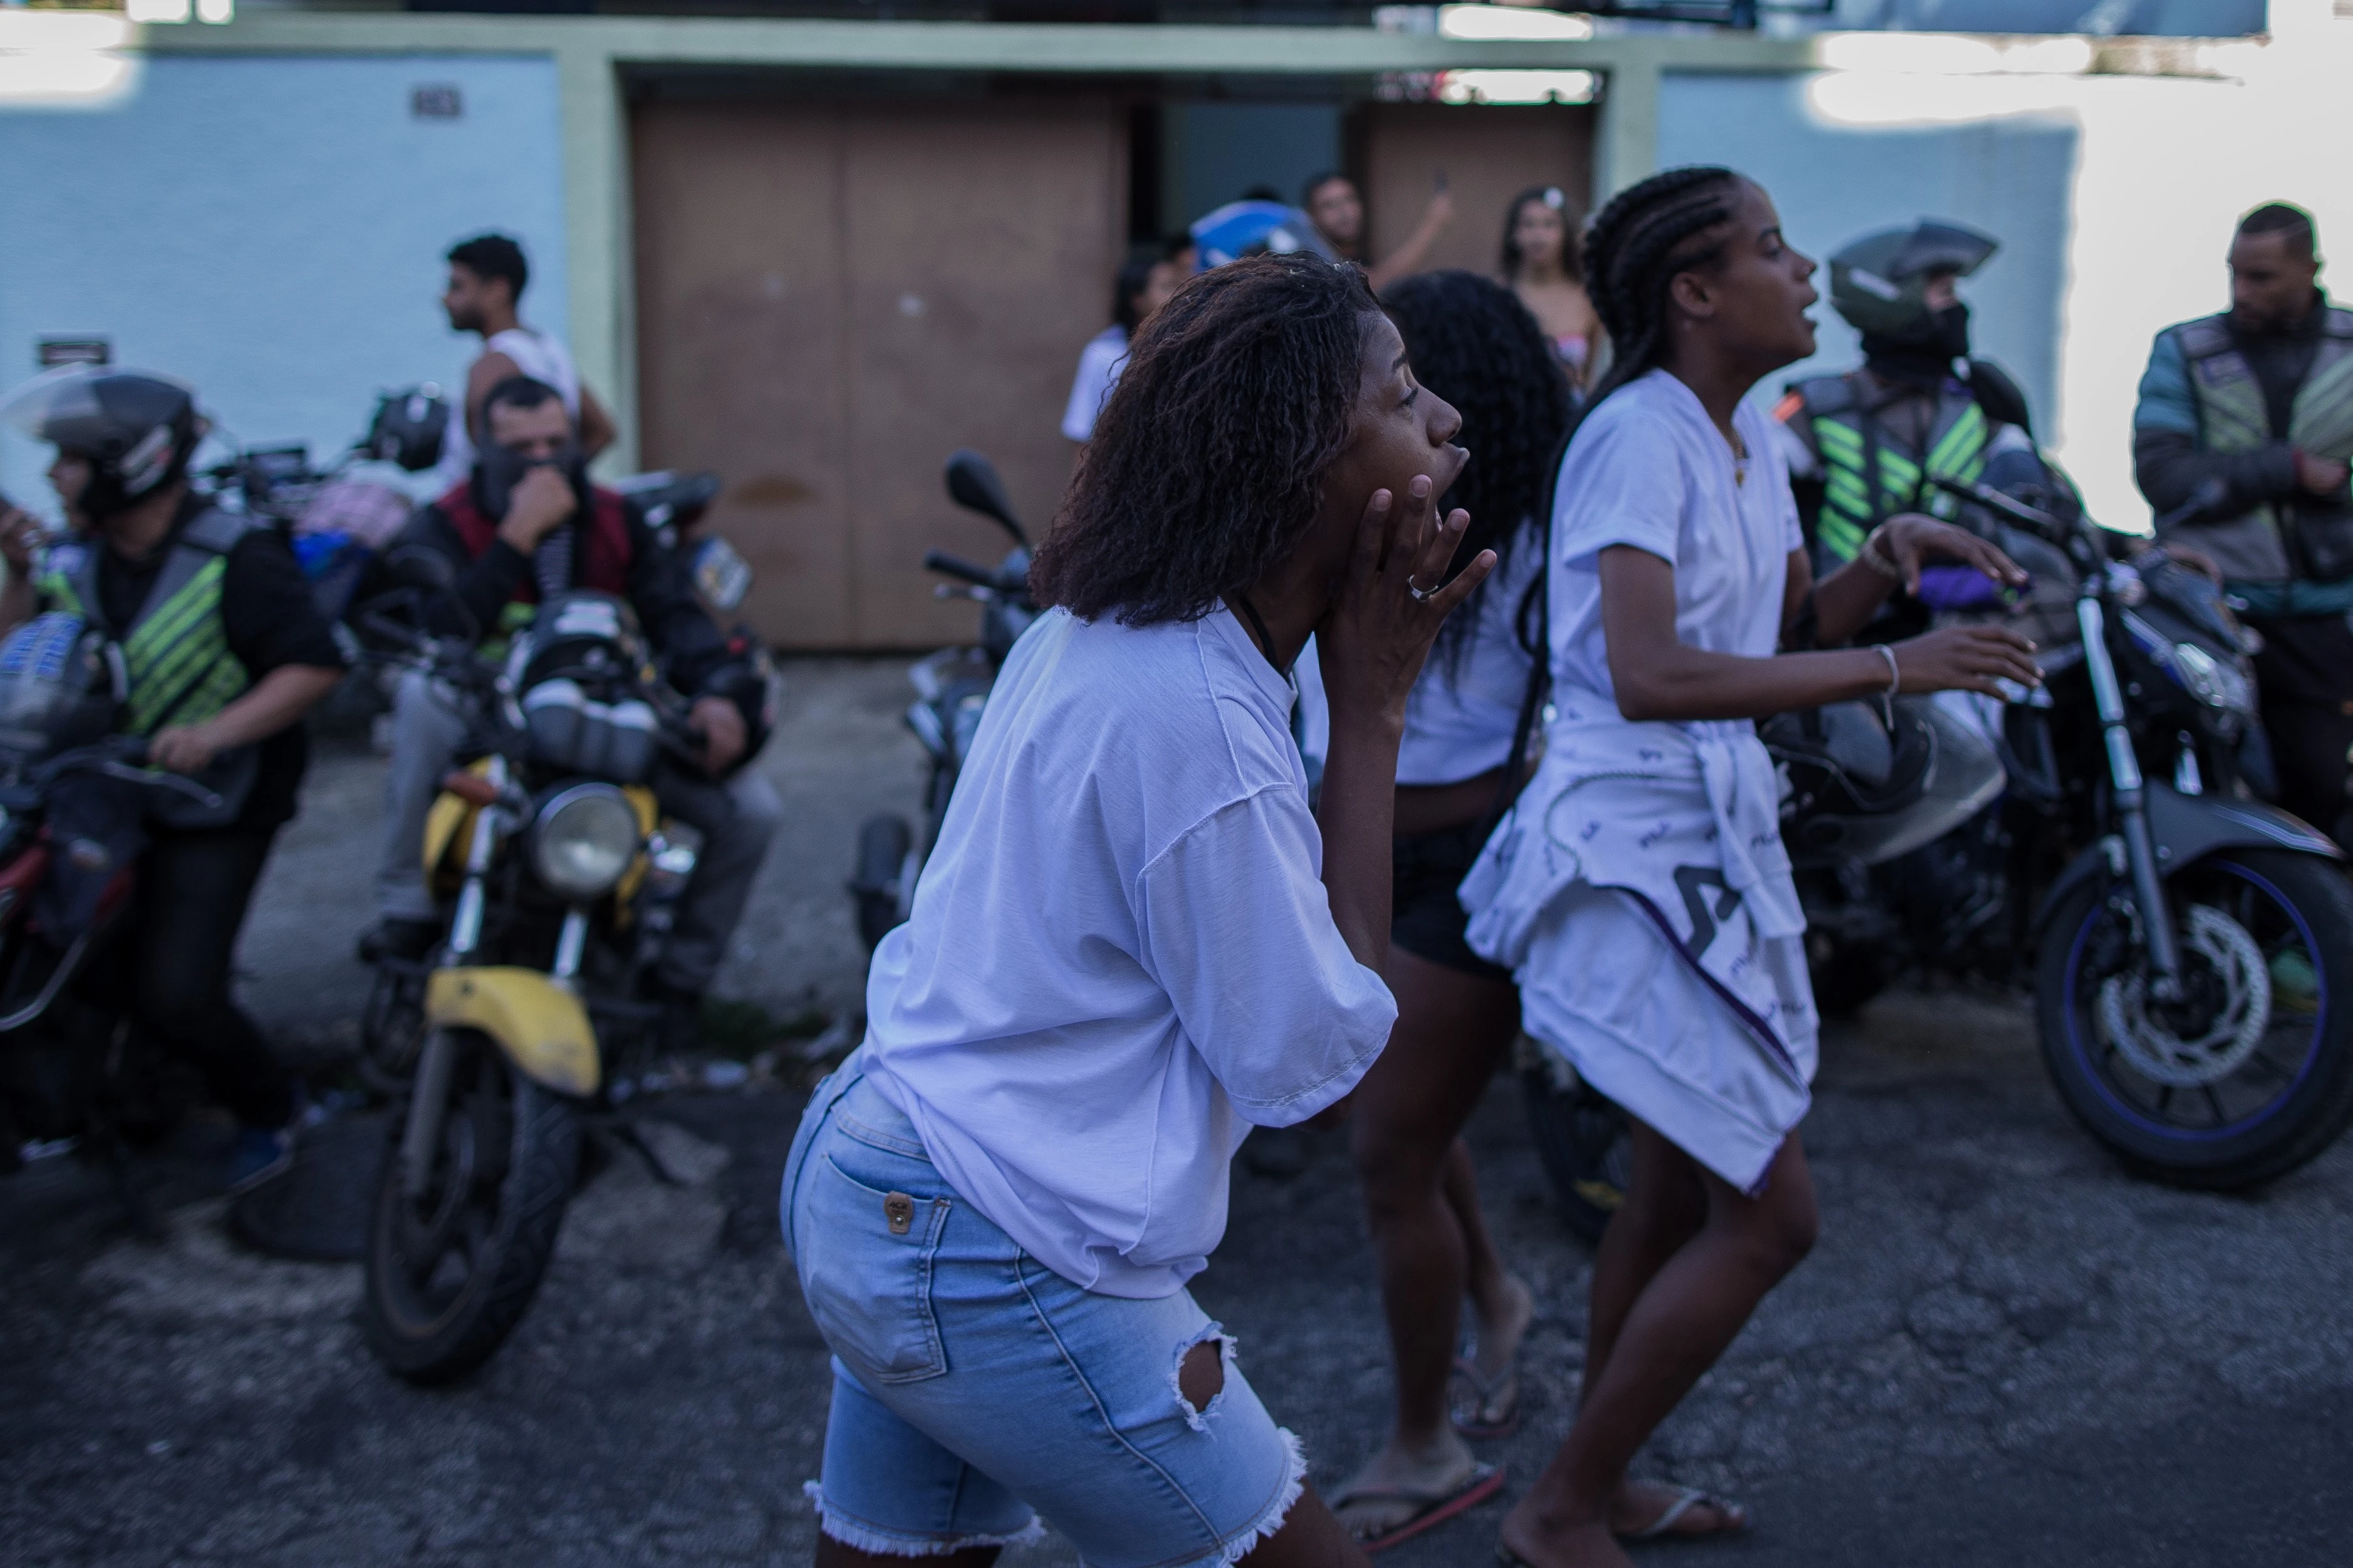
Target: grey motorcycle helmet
{"points": [[1880, 283], [137, 430], [1872, 780]]}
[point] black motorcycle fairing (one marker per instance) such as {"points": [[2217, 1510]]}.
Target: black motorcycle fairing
{"points": [[2186, 830]]}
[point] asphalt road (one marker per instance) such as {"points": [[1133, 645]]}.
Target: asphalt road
{"points": [[2003, 1350]]}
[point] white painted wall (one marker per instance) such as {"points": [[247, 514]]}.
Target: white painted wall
{"points": [[271, 229], [2115, 195]]}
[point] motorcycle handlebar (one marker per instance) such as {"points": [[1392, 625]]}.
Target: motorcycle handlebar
{"points": [[948, 565]]}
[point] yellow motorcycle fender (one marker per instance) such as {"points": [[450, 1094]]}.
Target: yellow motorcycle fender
{"points": [[541, 1026]]}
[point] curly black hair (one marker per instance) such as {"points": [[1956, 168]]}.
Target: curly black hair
{"points": [[1474, 344], [1572, 254], [1208, 460]]}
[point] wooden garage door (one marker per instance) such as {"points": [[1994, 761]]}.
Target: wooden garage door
{"points": [[1489, 154], [832, 298]]}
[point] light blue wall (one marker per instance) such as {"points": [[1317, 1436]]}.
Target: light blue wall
{"points": [[2008, 176], [271, 229]]}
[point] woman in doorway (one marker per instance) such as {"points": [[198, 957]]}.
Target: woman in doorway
{"points": [[1474, 345], [1638, 889], [1544, 264], [1143, 285], [1132, 942]]}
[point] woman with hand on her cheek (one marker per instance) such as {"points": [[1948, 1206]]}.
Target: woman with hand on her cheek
{"points": [[1132, 942], [1639, 889]]}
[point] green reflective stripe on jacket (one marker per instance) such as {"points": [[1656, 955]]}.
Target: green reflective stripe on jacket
{"points": [[2231, 414], [178, 658], [56, 590], [1849, 511]]}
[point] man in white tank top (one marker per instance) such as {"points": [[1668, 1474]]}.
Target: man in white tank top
{"points": [[487, 274]]}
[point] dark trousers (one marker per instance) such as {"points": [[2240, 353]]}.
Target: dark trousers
{"points": [[2305, 672], [192, 892]]}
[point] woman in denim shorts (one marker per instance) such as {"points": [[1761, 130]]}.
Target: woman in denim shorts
{"points": [[1133, 942]]}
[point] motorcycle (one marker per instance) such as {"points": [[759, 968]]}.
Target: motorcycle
{"points": [[561, 878], [952, 689], [76, 1074], [2189, 948]]}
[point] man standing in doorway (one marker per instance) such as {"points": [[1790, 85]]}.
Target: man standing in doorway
{"points": [[487, 274], [1337, 209], [2251, 411]]}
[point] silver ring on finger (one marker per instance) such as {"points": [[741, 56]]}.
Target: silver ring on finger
{"points": [[1420, 595]]}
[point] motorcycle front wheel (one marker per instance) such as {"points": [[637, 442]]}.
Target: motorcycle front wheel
{"points": [[2249, 1073], [1581, 1138], [451, 1270]]}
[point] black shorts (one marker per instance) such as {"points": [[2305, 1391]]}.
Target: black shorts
{"points": [[1425, 917]]}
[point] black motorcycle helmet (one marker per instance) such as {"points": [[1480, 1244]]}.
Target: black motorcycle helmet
{"points": [[410, 427], [1880, 283], [137, 430], [1871, 780]]}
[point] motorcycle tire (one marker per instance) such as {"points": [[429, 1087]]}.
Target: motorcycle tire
{"points": [[883, 845], [1582, 1138], [2290, 1092], [505, 1168]]}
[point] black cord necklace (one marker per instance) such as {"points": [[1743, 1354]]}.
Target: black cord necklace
{"points": [[1258, 629]]}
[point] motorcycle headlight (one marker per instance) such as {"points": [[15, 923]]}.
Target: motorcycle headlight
{"points": [[583, 841], [2211, 681]]}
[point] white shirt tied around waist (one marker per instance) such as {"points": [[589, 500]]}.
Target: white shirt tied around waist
{"points": [[536, 355], [1682, 816], [1120, 954]]}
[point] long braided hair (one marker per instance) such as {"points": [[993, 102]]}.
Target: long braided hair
{"points": [[1635, 246]]}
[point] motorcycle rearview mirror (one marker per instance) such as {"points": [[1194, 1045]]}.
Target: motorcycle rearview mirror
{"points": [[973, 484], [2003, 506]]}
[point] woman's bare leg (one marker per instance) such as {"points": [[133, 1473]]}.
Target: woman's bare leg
{"points": [[1504, 1304], [1673, 1330], [1452, 1031]]}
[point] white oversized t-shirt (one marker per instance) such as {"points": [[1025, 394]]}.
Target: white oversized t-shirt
{"points": [[1100, 364], [1465, 705], [1120, 954], [1648, 468]]}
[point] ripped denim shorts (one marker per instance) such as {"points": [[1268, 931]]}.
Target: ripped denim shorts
{"points": [[974, 1389]]}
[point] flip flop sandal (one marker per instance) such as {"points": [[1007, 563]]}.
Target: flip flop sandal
{"points": [[1430, 1509], [1470, 1418], [1686, 1500]]}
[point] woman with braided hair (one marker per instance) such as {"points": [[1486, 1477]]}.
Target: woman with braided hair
{"points": [[1638, 889]]}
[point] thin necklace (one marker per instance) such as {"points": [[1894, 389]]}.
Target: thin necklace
{"points": [[1257, 627]]}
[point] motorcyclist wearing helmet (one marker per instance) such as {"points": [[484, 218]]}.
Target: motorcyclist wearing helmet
{"points": [[526, 525], [224, 652], [1866, 445]]}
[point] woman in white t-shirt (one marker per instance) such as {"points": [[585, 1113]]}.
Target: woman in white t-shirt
{"points": [[1141, 287], [1638, 889], [1132, 942], [1476, 346]]}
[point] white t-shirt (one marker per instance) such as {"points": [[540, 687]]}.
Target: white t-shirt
{"points": [[536, 355], [1100, 364], [1120, 953], [1648, 468], [1462, 710]]}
